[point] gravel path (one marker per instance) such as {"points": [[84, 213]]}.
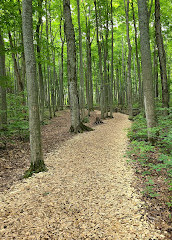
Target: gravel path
{"points": [[86, 194]]}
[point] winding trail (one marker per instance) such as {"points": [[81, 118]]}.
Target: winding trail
{"points": [[87, 193]]}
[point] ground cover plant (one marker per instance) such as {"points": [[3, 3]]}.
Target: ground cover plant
{"points": [[153, 163]]}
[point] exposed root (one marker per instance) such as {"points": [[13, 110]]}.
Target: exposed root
{"points": [[98, 121], [80, 128], [37, 167]]}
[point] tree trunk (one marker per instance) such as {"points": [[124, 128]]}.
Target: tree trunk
{"points": [[137, 56], [3, 100], [162, 58], [129, 83], [100, 65], [37, 163], [71, 64], [112, 68], [89, 67], [61, 94], [48, 63], [156, 73], [146, 68], [20, 85], [81, 70], [76, 125], [41, 83]]}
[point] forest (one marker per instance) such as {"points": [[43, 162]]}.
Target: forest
{"points": [[68, 66]]}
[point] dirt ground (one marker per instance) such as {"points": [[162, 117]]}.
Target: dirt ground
{"points": [[14, 160], [87, 193]]}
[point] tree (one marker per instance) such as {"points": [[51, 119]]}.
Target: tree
{"points": [[146, 67], [129, 83], [81, 70], [41, 82], [100, 64], [37, 162], [3, 101], [162, 57], [76, 125], [137, 55]]}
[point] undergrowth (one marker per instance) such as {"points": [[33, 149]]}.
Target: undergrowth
{"points": [[17, 114], [156, 159]]}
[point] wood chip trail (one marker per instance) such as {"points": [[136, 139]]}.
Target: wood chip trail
{"points": [[87, 193]]}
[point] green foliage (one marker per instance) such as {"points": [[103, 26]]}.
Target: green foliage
{"points": [[138, 130], [17, 115], [86, 120], [142, 151]]}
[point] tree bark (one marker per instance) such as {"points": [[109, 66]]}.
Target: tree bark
{"points": [[20, 85], [41, 82], [162, 58], [3, 100], [76, 125], [89, 66], [137, 56], [61, 93], [129, 83], [37, 162], [100, 65], [112, 67], [146, 68], [81, 69], [71, 64], [48, 63]]}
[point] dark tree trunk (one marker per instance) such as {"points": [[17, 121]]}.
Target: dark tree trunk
{"points": [[41, 83], [3, 100], [20, 85], [162, 58], [129, 83]]}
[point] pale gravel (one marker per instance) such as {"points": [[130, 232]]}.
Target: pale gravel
{"points": [[87, 193]]}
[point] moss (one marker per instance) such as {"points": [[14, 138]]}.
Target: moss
{"points": [[36, 167], [80, 128]]}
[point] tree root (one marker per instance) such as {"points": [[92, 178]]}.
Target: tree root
{"points": [[80, 128], [37, 167], [98, 121]]}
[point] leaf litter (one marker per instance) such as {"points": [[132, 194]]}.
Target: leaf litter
{"points": [[87, 193]]}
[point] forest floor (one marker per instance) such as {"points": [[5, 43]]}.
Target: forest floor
{"points": [[88, 191]]}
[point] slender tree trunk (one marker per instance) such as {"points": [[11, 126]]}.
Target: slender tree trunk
{"points": [[61, 88], [137, 56], [156, 73], [3, 100], [162, 58], [37, 162], [20, 85], [100, 65], [112, 68], [105, 64], [129, 83], [41, 82], [48, 64], [146, 68], [81, 69], [89, 67]]}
